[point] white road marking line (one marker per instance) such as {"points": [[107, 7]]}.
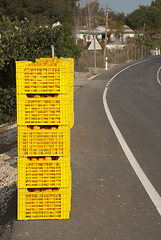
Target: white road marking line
{"points": [[153, 194], [158, 76]]}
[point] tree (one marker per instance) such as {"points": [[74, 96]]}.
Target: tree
{"points": [[116, 21], [116, 17], [156, 3], [91, 15], [65, 45], [57, 10], [145, 18]]}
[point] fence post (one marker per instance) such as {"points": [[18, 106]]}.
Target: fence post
{"points": [[95, 54], [106, 63], [138, 52], [127, 53], [52, 49], [142, 52]]}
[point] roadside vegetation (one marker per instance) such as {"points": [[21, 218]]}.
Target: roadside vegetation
{"points": [[146, 20], [27, 33]]}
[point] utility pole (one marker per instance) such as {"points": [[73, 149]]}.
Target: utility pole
{"points": [[88, 18], [106, 32], [95, 54], [145, 18]]}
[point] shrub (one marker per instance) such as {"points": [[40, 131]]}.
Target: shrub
{"points": [[8, 106], [27, 41], [24, 40]]}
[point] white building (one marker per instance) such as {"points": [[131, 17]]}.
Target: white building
{"points": [[87, 36]]}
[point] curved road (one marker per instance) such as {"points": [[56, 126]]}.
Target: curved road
{"points": [[108, 200]]}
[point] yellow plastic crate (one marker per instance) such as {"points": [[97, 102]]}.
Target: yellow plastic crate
{"points": [[45, 76], [36, 204], [43, 109], [41, 172], [59, 62], [71, 120], [43, 142], [71, 104], [71, 96], [70, 187]]}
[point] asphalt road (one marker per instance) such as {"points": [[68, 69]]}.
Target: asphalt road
{"points": [[108, 200]]}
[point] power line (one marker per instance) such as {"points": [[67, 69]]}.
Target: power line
{"points": [[114, 11], [157, 11]]}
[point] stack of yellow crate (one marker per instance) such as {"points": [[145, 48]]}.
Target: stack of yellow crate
{"points": [[45, 116]]}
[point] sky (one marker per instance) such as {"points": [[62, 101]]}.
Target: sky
{"points": [[125, 6]]}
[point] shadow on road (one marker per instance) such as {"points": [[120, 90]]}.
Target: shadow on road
{"points": [[6, 221]]}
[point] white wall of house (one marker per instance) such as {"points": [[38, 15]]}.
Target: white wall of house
{"points": [[100, 30]]}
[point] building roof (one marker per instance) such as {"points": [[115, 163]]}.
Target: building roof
{"points": [[101, 30]]}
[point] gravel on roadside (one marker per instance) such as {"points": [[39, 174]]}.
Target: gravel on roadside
{"points": [[8, 164]]}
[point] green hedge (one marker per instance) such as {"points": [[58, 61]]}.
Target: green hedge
{"points": [[24, 40], [8, 105]]}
